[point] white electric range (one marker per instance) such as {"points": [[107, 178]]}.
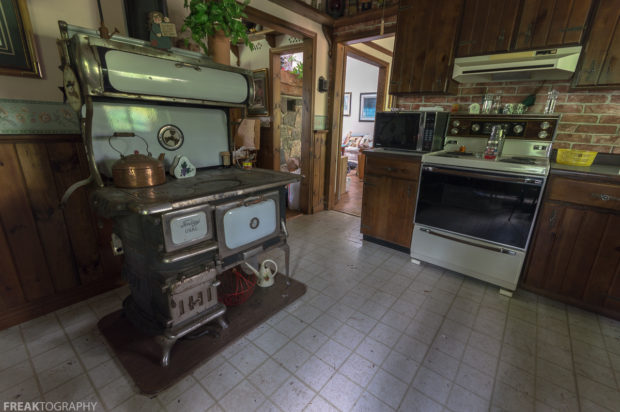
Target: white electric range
{"points": [[474, 215]]}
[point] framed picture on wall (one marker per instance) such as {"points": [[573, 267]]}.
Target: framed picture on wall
{"points": [[260, 106], [18, 56], [368, 107], [346, 104]]}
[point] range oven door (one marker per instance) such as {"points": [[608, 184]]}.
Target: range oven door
{"points": [[489, 206], [475, 223]]}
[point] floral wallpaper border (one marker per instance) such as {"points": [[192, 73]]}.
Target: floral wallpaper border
{"points": [[37, 117]]}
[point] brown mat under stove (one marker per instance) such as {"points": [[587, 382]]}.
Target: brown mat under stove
{"points": [[140, 355]]}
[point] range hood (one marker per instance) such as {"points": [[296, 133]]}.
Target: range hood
{"points": [[547, 64]]}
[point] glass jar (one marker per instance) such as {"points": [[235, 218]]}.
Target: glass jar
{"points": [[487, 103], [497, 104], [552, 98], [495, 144]]}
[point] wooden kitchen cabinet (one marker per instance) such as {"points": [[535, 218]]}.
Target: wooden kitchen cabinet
{"points": [[487, 28], [575, 251], [521, 25], [424, 47], [551, 23], [388, 201], [598, 65]]}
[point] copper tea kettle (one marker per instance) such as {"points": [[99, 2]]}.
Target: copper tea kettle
{"points": [[137, 170]]}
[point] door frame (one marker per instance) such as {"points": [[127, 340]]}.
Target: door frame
{"points": [[309, 46], [275, 96], [342, 50]]}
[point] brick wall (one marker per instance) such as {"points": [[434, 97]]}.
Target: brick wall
{"points": [[589, 120]]}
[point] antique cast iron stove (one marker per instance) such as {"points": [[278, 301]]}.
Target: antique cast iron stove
{"points": [[177, 236]]}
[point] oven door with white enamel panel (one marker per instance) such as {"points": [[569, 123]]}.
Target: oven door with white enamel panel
{"points": [[246, 223], [187, 227]]}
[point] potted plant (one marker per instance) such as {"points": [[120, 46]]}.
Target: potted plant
{"points": [[210, 18]]}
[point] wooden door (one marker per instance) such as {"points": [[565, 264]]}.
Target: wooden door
{"points": [[551, 23], [387, 209], [487, 28], [424, 47], [600, 57]]}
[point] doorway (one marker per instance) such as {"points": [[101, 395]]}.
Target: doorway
{"points": [[282, 37], [364, 82]]}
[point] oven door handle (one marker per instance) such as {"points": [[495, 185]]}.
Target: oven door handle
{"points": [[466, 173], [253, 200], [492, 248]]}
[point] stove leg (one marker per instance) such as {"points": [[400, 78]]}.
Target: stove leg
{"points": [[166, 345], [287, 258], [222, 322]]}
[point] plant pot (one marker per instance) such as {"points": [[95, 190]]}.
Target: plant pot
{"points": [[219, 48]]}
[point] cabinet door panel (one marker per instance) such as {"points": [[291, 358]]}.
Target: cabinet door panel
{"points": [[486, 28], [542, 244], [599, 60], [583, 254], [550, 23], [604, 284], [387, 209], [424, 47]]}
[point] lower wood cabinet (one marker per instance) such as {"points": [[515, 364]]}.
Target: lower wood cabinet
{"points": [[388, 201], [575, 252]]}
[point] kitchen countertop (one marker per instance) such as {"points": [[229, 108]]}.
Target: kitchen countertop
{"points": [[408, 153], [609, 173]]}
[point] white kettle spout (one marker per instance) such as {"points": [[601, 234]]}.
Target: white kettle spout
{"points": [[252, 269]]}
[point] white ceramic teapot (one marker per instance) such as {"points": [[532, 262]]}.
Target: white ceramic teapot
{"points": [[264, 275]]}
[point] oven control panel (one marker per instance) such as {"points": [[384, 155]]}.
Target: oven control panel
{"points": [[516, 127]]}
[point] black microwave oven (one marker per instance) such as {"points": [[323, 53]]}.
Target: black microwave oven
{"points": [[419, 131]]}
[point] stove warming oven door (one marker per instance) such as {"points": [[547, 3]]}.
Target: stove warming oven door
{"points": [[476, 222]]}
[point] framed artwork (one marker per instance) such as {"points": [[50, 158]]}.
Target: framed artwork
{"points": [[368, 107], [260, 106], [18, 55], [346, 104]]}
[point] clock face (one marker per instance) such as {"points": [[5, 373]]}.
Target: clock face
{"points": [[474, 108], [72, 88]]}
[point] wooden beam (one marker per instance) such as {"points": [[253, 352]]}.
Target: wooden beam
{"points": [[365, 57], [271, 39], [367, 35], [378, 48], [366, 16], [276, 23], [305, 10]]}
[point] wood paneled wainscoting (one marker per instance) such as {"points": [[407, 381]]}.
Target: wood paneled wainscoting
{"points": [[50, 256]]}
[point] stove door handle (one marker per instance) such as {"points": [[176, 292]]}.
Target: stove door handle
{"points": [[253, 200], [191, 66], [492, 248], [486, 176]]}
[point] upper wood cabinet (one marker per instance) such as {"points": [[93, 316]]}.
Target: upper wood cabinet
{"points": [[521, 25], [548, 23], [600, 57], [487, 28], [424, 48]]}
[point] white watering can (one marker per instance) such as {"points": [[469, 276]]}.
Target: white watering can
{"points": [[264, 275]]}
